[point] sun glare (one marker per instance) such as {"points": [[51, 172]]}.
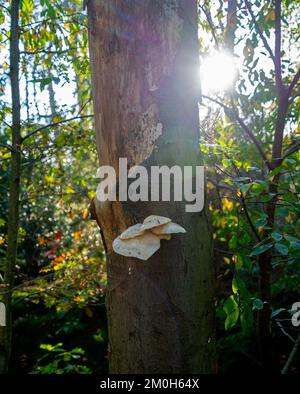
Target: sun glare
{"points": [[218, 72]]}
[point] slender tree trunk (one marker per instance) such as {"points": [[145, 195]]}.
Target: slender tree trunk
{"points": [[145, 80], [231, 25], [14, 189], [52, 100], [265, 259]]}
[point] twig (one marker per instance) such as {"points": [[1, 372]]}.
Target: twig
{"points": [[263, 38], [5, 8], [55, 124], [84, 105], [291, 150], [224, 251], [291, 356], [210, 22], [293, 83], [244, 205], [221, 186], [6, 124], [249, 218], [254, 140], [277, 58], [9, 147], [60, 18], [285, 332], [49, 52], [246, 129]]}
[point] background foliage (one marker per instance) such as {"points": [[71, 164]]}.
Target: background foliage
{"points": [[237, 141], [60, 273]]}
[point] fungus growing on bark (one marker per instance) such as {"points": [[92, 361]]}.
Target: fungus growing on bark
{"points": [[132, 232], [142, 240], [141, 247], [154, 221], [168, 228]]}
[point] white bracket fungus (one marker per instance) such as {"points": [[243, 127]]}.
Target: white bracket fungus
{"points": [[142, 240]]}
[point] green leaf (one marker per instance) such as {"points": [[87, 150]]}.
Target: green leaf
{"points": [[295, 245], [44, 82], [257, 304], [261, 249], [290, 238], [282, 212], [282, 249], [239, 262], [276, 236], [233, 242], [27, 7], [267, 197], [231, 309], [246, 319], [259, 187], [290, 161], [242, 179], [276, 312], [234, 286], [2, 17], [239, 286], [244, 188], [261, 222], [289, 197]]}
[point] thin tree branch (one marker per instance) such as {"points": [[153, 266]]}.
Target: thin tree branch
{"points": [[55, 124], [284, 331], [84, 105], [294, 148], [282, 97], [263, 38], [293, 83], [246, 129], [244, 205], [254, 139], [249, 218], [210, 22], [277, 59], [60, 18], [49, 52], [10, 148], [220, 11], [241, 199], [291, 356], [229, 37], [5, 8], [6, 124], [221, 186]]}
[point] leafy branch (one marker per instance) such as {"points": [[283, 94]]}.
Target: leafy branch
{"points": [[55, 124], [235, 117]]}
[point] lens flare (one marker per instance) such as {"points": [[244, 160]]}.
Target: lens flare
{"points": [[218, 72]]}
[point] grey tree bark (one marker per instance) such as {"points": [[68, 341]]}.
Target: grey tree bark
{"points": [[145, 81]]}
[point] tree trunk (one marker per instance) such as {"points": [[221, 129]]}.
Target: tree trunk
{"points": [[14, 189], [231, 25], [145, 81]]}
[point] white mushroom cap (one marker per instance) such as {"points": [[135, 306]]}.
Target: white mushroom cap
{"points": [[164, 236], [142, 247], [132, 232], [143, 240], [168, 228], [154, 221]]}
